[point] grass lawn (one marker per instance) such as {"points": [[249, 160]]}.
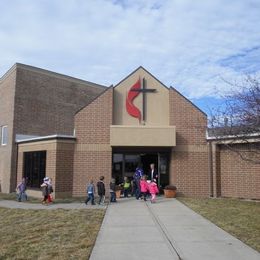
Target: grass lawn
{"points": [[48, 234], [7, 196], [239, 218], [13, 196]]}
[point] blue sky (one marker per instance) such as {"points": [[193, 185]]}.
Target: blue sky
{"points": [[190, 45]]}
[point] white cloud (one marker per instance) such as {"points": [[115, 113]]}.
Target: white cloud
{"points": [[182, 42]]}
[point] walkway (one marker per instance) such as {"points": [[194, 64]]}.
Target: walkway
{"points": [[166, 230]]}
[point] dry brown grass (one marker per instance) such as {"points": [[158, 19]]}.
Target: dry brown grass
{"points": [[13, 196], [8, 196], [48, 234], [238, 217]]}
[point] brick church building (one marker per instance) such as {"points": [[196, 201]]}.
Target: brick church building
{"points": [[74, 131]]}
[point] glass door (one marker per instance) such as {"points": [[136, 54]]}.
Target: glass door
{"points": [[124, 165], [118, 166], [163, 169]]}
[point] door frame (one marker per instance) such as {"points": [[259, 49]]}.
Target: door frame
{"points": [[159, 152]]}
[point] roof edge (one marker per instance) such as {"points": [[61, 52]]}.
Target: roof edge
{"points": [[94, 99], [56, 74], [225, 137], [149, 73], [8, 72], [47, 137], [172, 88], [52, 73]]}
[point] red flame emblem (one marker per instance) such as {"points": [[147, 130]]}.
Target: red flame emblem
{"points": [[132, 94]]}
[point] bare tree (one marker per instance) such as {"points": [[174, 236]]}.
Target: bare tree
{"points": [[239, 119]]}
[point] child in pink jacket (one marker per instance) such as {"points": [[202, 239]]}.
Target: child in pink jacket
{"points": [[144, 187], [153, 190]]}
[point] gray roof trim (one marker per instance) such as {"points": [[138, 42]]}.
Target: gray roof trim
{"points": [[94, 99], [50, 73], [47, 137], [8, 72], [239, 136], [174, 89], [145, 70]]}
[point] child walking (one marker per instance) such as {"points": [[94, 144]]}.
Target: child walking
{"points": [[153, 188], [90, 193], [50, 190], [45, 190], [127, 186], [144, 187], [21, 190], [112, 190], [101, 190]]}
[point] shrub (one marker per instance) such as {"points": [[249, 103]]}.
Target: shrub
{"points": [[170, 187]]}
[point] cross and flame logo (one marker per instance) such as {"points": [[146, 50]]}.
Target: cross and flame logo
{"points": [[134, 91], [131, 95]]}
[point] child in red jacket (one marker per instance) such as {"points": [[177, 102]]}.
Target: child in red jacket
{"points": [[144, 187], [153, 188]]}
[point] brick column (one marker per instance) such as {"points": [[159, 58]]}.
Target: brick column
{"points": [[216, 170]]}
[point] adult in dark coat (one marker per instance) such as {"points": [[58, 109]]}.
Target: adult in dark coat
{"points": [[153, 174]]}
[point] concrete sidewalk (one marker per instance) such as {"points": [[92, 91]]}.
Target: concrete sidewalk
{"points": [[166, 230]]}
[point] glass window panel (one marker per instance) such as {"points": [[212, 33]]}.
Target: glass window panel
{"points": [[4, 135], [34, 168], [131, 162], [118, 168]]}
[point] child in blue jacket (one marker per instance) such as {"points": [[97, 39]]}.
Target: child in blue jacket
{"points": [[90, 193]]}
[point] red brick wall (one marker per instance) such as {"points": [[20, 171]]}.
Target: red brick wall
{"points": [[51, 165], [189, 159], [7, 153], [64, 169], [59, 163], [45, 102], [50, 158], [239, 178], [216, 175], [34, 101], [93, 154], [19, 167]]}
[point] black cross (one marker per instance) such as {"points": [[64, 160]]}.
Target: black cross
{"points": [[144, 90]]}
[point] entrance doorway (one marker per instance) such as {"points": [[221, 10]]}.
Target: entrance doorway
{"points": [[125, 163], [34, 168], [146, 160]]}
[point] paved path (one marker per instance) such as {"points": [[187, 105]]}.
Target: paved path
{"points": [[26, 205], [166, 230]]}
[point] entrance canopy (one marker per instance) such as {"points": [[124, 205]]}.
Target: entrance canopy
{"points": [[163, 136]]}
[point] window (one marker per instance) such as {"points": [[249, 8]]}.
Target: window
{"points": [[131, 162], [124, 165], [34, 168], [4, 135]]}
